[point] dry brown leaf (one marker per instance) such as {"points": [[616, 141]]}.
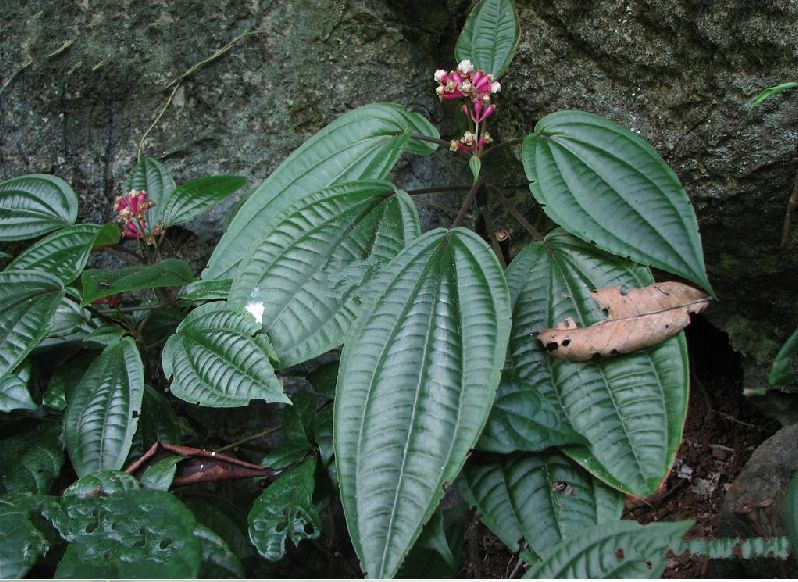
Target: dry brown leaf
{"points": [[636, 319]]}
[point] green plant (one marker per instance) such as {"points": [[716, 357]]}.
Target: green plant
{"points": [[440, 356]]}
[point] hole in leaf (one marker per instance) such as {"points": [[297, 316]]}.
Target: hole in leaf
{"points": [[309, 529], [619, 554], [566, 342], [551, 346], [165, 543]]}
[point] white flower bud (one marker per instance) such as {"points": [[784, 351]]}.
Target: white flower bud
{"points": [[495, 87], [465, 66], [439, 75]]}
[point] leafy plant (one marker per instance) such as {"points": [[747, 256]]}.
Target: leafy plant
{"points": [[441, 356]]}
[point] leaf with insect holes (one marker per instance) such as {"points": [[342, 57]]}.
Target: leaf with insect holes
{"points": [[637, 318]]}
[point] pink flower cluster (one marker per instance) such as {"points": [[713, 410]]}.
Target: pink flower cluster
{"points": [[477, 87], [130, 211]]}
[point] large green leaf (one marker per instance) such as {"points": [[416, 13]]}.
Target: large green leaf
{"points": [[522, 419], [103, 411], [99, 283], [490, 36], [71, 319], [191, 199], [30, 462], [304, 280], [285, 511], [131, 534], [785, 365], [418, 375], [791, 513], [631, 408], [21, 543], [219, 357], [33, 205], [152, 177], [609, 187], [14, 392], [362, 144], [620, 549], [28, 303], [542, 498], [64, 253]]}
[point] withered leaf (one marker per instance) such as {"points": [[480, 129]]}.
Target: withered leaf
{"points": [[198, 465], [636, 319]]}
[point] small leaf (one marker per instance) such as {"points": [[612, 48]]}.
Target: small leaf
{"points": [[223, 518], [418, 125], [131, 534], [608, 186], [522, 419], [158, 324], [630, 409], [490, 36], [64, 379], [21, 543], [637, 318], [71, 319], [63, 253], [159, 475], [542, 498], [27, 306], [103, 411], [218, 561], [102, 484], [785, 366], [191, 199], [322, 251], [218, 357], [207, 290], [418, 376], [108, 236], [286, 454], [475, 164], [362, 144], [33, 205], [620, 549], [30, 462], [770, 92], [99, 283], [285, 511], [152, 177], [105, 335], [14, 392], [324, 378]]}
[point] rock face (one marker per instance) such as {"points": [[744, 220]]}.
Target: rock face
{"points": [[82, 82], [753, 505]]}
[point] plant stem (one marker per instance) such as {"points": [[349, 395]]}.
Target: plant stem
{"points": [[516, 214], [252, 437], [489, 224], [418, 191], [435, 205], [123, 254], [132, 308], [497, 146], [196, 67], [422, 137], [155, 121], [469, 200]]}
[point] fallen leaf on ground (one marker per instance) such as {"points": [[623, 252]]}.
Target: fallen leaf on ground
{"points": [[636, 319]]}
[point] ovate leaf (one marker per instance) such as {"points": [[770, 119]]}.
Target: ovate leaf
{"points": [[99, 283], [191, 199], [785, 365], [131, 534], [418, 376], [490, 36], [159, 475], [152, 177], [636, 319], [33, 205], [620, 549], [219, 357], [63, 253], [14, 392], [542, 498], [103, 411], [630, 409], [304, 279], [285, 511], [522, 419], [362, 144], [28, 302], [771, 91], [21, 543], [30, 462], [609, 187]]}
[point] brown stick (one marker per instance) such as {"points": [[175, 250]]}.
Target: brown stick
{"points": [[469, 200]]}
